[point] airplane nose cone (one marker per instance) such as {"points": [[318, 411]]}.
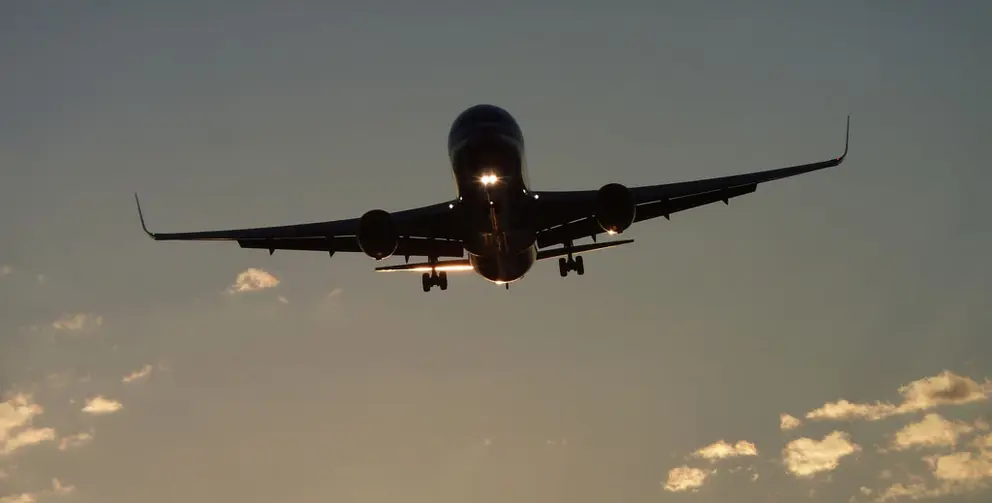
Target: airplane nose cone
{"points": [[481, 122]]}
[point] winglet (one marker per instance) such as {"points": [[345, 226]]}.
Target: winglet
{"points": [[142, 217], [847, 139]]}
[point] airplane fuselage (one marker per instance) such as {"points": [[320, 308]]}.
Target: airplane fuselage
{"points": [[486, 148]]}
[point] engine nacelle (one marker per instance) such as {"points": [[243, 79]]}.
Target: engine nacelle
{"points": [[376, 234], [615, 208]]}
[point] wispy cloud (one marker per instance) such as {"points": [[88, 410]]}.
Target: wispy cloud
{"points": [[27, 437], [101, 405], [16, 430], [6, 270], [73, 441], [137, 374], [723, 450], [78, 322], [57, 489], [252, 280], [945, 388]]}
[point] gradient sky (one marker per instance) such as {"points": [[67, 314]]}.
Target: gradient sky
{"points": [[339, 384]]}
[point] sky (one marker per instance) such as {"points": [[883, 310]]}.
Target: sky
{"points": [[826, 338]]}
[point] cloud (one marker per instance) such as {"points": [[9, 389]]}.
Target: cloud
{"points": [[20, 498], [805, 457], [953, 474], [101, 405], [78, 322], [16, 412], [252, 280], [932, 431], [965, 467], [61, 489], [685, 478], [16, 417], [913, 491], [722, 450], [945, 388], [282, 299], [27, 437], [787, 422], [57, 489], [137, 374], [73, 441], [983, 442], [6, 270]]}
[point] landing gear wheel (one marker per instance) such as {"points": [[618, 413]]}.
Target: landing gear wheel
{"points": [[434, 279], [571, 264]]}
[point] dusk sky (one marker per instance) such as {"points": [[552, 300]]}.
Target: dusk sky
{"points": [[827, 338]]}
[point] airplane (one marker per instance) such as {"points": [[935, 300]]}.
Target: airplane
{"points": [[495, 218]]}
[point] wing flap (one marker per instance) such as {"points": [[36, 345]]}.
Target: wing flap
{"points": [[589, 247], [411, 247]]}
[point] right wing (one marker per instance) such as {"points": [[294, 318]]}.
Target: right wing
{"points": [[569, 215], [424, 232]]}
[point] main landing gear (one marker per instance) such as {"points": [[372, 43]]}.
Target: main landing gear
{"points": [[433, 279], [571, 264]]}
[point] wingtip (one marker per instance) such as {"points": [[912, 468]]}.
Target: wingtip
{"points": [[847, 138], [141, 217]]}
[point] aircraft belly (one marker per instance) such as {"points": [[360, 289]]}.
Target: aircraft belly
{"points": [[504, 267], [499, 243]]}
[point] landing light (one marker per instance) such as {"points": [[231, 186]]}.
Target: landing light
{"points": [[488, 179]]}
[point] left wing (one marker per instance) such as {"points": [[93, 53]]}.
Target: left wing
{"points": [[425, 231], [569, 215]]}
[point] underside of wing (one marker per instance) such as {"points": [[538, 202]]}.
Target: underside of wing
{"points": [[565, 216], [426, 231], [405, 246]]}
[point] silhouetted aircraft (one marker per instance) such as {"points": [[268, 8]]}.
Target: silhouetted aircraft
{"points": [[496, 219]]}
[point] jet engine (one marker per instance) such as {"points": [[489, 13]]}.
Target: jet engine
{"points": [[377, 235], [615, 208]]}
